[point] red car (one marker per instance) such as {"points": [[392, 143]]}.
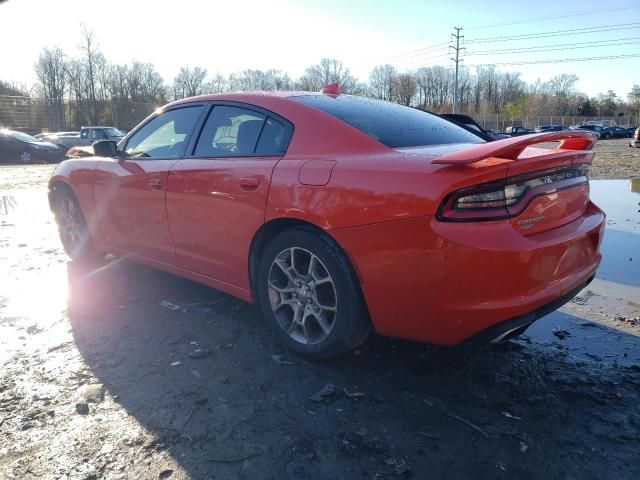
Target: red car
{"points": [[338, 214]]}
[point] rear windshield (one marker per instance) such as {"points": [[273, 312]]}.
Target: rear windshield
{"points": [[393, 125]]}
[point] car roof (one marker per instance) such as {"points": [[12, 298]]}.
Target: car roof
{"points": [[244, 96]]}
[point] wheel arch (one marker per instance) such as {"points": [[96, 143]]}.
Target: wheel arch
{"points": [[270, 229], [57, 185]]}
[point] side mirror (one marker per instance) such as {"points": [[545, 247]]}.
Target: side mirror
{"points": [[105, 148]]}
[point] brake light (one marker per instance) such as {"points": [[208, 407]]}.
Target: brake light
{"points": [[509, 197]]}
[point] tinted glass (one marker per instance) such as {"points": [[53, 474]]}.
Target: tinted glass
{"points": [[393, 125], [229, 132], [166, 136], [274, 138]]}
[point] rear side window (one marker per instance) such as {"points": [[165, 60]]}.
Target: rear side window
{"points": [[393, 125], [239, 132], [274, 138], [229, 132]]}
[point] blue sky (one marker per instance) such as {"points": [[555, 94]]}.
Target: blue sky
{"points": [[227, 36]]}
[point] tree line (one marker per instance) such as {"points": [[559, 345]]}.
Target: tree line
{"points": [[88, 89]]}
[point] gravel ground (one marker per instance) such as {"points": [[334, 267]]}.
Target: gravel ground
{"points": [[616, 159], [118, 371]]}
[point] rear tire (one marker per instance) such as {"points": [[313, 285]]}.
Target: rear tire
{"points": [[26, 157], [309, 294], [72, 227]]}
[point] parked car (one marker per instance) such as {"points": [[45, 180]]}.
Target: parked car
{"points": [[337, 214], [20, 147], [549, 128], [87, 136], [636, 139], [621, 132], [517, 131], [64, 140], [469, 123], [597, 129]]}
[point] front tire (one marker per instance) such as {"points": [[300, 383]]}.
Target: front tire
{"points": [[309, 294], [72, 227]]}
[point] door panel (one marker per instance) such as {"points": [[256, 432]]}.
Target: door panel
{"points": [[130, 192], [129, 195], [214, 207]]}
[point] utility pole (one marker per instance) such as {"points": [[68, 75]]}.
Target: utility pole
{"points": [[457, 49]]}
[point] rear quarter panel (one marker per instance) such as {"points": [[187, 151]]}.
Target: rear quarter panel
{"points": [[366, 189]]}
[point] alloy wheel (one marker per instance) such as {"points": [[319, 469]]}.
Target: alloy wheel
{"points": [[71, 226], [302, 295], [25, 157]]}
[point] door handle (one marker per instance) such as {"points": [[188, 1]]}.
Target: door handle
{"points": [[249, 183], [155, 184]]}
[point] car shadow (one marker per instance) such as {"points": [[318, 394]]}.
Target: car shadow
{"points": [[203, 374]]}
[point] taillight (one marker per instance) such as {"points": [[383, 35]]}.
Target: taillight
{"points": [[509, 197]]}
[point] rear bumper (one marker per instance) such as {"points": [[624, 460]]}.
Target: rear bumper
{"points": [[510, 328], [444, 283]]}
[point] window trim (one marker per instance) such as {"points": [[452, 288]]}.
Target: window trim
{"points": [[289, 127], [125, 141]]}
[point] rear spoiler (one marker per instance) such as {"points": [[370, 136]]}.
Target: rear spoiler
{"points": [[511, 148]]}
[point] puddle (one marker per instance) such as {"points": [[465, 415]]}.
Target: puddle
{"points": [[620, 200], [585, 340], [617, 284]]}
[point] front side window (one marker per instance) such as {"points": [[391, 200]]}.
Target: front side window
{"points": [[166, 136], [230, 132]]}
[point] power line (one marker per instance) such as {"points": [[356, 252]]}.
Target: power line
{"points": [[552, 17], [433, 54], [418, 50], [575, 31], [422, 59], [565, 46], [560, 60]]}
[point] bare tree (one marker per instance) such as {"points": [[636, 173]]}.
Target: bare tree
{"points": [[189, 82], [90, 59], [329, 70], [561, 87], [406, 89], [51, 69], [382, 82], [217, 84]]}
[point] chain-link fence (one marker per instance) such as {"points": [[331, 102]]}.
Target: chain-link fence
{"points": [[34, 115]]}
